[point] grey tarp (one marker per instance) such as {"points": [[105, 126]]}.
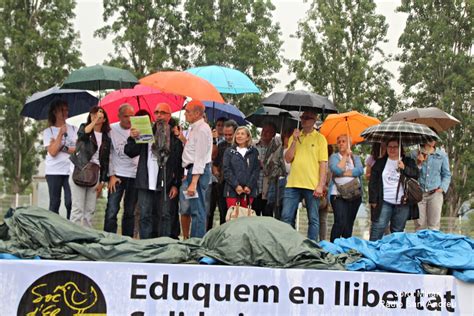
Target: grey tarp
{"points": [[256, 241], [267, 242]]}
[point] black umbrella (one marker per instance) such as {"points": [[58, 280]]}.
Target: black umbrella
{"points": [[282, 119], [37, 106], [300, 100]]}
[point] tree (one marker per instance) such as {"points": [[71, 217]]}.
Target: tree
{"points": [[38, 47], [340, 57], [438, 71], [147, 35], [239, 34]]}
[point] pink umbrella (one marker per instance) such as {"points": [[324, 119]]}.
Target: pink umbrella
{"points": [[140, 97]]}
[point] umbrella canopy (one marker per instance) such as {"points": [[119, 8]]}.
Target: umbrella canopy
{"points": [[431, 117], [283, 119], [350, 123], [100, 77], [408, 133], [215, 110], [183, 83], [140, 97], [37, 106], [300, 100], [226, 80]]}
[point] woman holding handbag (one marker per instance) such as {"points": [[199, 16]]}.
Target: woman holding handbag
{"points": [[91, 165], [241, 169], [345, 188]]}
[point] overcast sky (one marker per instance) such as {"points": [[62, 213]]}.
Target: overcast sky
{"points": [[287, 13]]}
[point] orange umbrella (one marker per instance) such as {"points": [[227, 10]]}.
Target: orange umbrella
{"points": [[183, 83], [350, 123]]}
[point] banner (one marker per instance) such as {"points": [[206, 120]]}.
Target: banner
{"points": [[41, 287]]}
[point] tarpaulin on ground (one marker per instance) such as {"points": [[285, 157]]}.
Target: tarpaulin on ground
{"points": [[257, 241], [35, 232], [419, 253], [267, 242]]}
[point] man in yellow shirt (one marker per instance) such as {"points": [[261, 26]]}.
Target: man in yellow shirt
{"points": [[308, 155]]}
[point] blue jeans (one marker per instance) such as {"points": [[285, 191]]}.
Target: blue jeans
{"points": [[125, 187], [397, 215], [291, 199], [345, 212], [198, 205], [56, 182]]}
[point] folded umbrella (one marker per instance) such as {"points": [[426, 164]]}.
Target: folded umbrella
{"points": [[37, 105]]}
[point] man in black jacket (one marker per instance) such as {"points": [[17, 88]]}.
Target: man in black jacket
{"points": [[159, 176]]}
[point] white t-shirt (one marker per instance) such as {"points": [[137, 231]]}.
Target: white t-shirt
{"points": [[390, 178], [242, 150], [60, 164], [153, 169], [343, 180], [120, 163], [95, 157]]}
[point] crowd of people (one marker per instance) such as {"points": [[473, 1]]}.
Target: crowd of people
{"points": [[177, 181]]}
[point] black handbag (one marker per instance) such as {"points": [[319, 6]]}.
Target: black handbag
{"points": [[413, 193], [87, 176]]}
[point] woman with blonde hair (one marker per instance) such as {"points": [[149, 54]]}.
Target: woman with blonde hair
{"points": [[241, 169]]}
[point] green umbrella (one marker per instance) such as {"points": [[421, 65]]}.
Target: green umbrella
{"points": [[100, 77]]}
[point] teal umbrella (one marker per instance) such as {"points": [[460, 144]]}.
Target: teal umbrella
{"points": [[226, 80], [100, 77]]}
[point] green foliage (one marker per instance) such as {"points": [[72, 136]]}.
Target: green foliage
{"points": [[340, 57], [239, 34], [438, 71], [147, 35], [38, 47]]}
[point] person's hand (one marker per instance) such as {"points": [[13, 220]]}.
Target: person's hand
{"points": [[373, 205], [239, 190], [318, 192], [439, 190], [247, 190], [214, 133], [401, 165], [134, 133], [173, 192], [98, 189], [112, 182], [296, 134], [191, 189], [62, 130], [176, 130]]}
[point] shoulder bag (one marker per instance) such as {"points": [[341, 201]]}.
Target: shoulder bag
{"points": [[87, 176]]}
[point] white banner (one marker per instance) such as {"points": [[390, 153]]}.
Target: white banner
{"points": [[41, 287]]}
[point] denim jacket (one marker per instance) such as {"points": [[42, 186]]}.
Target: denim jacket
{"points": [[434, 172], [335, 158]]}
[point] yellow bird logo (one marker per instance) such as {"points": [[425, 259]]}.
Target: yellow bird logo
{"points": [[76, 299]]}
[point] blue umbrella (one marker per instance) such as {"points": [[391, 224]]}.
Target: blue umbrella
{"points": [[226, 80], [37, 106], [215, 110]]}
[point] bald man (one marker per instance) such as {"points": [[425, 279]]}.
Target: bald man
{"points": [[197, 160], [122, 172], [159, 176]]}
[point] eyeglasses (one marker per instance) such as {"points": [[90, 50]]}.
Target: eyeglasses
{"points": [[307, 118], [161, 113]]}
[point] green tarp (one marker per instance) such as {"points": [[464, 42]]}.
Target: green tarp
{"points": [[256, 241]]}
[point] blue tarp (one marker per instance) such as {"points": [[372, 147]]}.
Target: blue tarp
{"points": [[407, 252]]}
